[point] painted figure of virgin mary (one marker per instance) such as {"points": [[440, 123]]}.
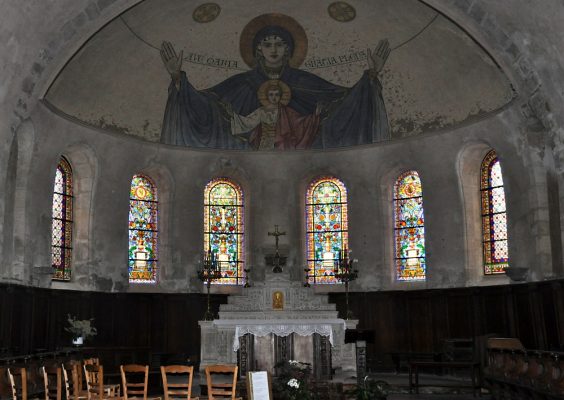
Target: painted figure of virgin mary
{"points": [[275, 45]]}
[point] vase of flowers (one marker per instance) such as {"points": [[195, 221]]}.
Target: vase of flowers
{"points": [[80, 329], [292, 382]]}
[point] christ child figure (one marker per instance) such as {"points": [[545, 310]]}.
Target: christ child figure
{"points": [[274, 125]]}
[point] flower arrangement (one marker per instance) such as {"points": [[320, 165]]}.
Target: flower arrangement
{"points": [[292, 382], [371, 390], [80, 327]]}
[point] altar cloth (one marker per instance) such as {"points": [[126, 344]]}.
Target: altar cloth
{"points": [[280, 327]]}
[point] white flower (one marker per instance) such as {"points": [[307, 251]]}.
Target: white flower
{"points": [[294, 383], [79, 327]]}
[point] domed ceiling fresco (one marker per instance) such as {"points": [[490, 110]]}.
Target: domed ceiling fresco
{"points": [[258, 75]]}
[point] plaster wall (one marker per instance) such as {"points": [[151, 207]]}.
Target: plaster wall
{"points": [[275, 185]]}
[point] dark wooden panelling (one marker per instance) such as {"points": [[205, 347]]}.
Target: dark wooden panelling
{"points": [[33, 319], [420, 312], [420, 320], [461, 316], [403, 321], [524, 309]]}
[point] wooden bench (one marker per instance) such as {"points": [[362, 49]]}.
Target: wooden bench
{"points": [[401, 360]]}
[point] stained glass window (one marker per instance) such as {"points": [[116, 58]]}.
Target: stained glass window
{"points": [[494, 216], [61, 228], [143, 230], [409, 227], [327, 233], [224, 230]]}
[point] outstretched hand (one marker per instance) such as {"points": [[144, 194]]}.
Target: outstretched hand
{"points": [[172, 62], [377, 59], [228, 109]]}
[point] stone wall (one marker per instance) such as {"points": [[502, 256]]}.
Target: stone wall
{"points": [[525, 39], [274, 186]]}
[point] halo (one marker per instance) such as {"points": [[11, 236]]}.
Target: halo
{"points": [[284, 21], [285, 89]]}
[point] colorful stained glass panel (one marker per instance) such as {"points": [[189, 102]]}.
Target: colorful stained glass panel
{"points": [[494, 216], [409, 223], [223, 230], [143, 231], [327, 230], [61, 228]]}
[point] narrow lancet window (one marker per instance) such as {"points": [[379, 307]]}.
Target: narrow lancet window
{"points": [[224, 229], [143, 230], [326, 228], [409, 228], [494, 216], [61, 228]]}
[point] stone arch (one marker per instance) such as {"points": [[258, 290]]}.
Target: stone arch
{"points": [[468, 166], [540, 128], [231, 168], [84, 164], [7, 227], [16, 247], [302, 186], [165, 185], [386, 183]]}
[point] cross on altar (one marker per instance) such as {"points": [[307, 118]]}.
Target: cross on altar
{"points": [[276, 235]]}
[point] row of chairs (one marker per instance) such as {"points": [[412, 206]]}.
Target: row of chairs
{"points": [[177, 382]]}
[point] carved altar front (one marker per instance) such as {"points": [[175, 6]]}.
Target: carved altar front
{"points": [[278, 320]]}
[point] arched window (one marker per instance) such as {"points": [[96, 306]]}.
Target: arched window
{"points": [[494, 217], [409, 228], [61, 229], [143, 230], [224, 230], [326, 228]]}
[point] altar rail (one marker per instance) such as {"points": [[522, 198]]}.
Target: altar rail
{"points": [[525, 374]]}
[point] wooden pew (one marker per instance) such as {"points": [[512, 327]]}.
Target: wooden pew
{"points": [[514, 372]]}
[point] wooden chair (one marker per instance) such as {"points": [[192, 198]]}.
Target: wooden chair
{"points": [[219, 388], [134, 381], [52, 379], [18, 375], [95, 388], [72, 380], [178, 390]]}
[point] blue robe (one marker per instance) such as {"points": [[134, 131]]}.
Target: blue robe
{"points": [[351, 116]]}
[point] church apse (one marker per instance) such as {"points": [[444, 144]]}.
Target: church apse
{"points": [[307, 75]]}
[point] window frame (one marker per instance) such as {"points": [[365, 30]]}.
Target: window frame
{"points": [[489, 267], [63, 272], [326, 278], [419, 260], [153, 207], [238, 232]]}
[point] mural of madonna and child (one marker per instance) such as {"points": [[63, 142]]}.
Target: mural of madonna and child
{"points": [[275, 105]]}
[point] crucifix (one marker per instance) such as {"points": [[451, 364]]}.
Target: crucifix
{"points": [[276, 260], [276, 235]]}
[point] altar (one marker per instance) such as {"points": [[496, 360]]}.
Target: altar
{"points": [[278, 320]]}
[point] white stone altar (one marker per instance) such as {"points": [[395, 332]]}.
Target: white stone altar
{"points": [[277, 307]]}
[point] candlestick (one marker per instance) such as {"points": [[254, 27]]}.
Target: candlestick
{"points": [[345, 273], [207, 275]]}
